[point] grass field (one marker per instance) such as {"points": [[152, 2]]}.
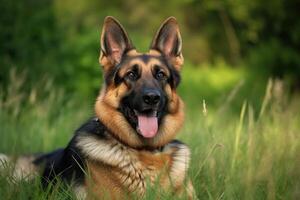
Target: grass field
{"points": [[244, 134]]}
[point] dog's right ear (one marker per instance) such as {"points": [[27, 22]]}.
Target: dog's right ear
{"points": [[168, 41], [114, 43]]}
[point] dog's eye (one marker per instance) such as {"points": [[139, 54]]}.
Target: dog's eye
{"points": [[131, 76], [160, 75]]}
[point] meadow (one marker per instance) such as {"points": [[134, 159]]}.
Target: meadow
{"points": [[240, 84], [243, 131]]}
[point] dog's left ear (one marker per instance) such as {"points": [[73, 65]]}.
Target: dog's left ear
{"points": [[168, 41], [114, 43]]}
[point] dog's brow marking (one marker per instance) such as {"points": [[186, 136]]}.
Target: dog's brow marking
{"points": [[144, 58], [154, 52], [149, 65], [133, 52]]}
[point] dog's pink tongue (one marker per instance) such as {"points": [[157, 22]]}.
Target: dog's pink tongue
{"points": [[148, 126]]}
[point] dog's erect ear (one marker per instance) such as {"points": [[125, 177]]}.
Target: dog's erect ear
{"points": [[114, 43], [168, 41]]}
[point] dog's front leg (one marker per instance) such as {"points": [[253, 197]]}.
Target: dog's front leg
{"points": [[180, 158]]}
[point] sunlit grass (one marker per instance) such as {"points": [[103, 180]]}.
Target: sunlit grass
{"points": [[250, 156], [244, 153], [40, 118]]}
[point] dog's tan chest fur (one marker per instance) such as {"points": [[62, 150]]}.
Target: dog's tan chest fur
{"points": [[121, 180], [116, 170]]}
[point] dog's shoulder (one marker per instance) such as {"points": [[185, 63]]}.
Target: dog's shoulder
{"points": [[93, 126], [69, 163]]}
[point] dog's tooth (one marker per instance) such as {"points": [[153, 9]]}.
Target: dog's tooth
{"points": [[136, 112]]}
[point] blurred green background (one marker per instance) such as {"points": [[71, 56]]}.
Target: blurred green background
{"points": [[240, 84], [60, 39]]}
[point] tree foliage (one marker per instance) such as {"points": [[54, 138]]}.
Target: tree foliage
{"points": [[61, 38]]}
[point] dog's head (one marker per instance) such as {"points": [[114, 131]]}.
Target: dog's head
{"points": [[138, 102]]}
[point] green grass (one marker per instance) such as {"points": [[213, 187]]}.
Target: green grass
{"points": [[246, 145]]}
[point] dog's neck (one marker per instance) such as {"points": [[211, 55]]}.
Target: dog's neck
{"points": [[108, 134]]}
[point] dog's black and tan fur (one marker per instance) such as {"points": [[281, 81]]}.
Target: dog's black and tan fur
{"points": [[110, 156]]}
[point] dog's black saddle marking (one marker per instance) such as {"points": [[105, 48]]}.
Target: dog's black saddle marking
{"points": [[68, 164]]}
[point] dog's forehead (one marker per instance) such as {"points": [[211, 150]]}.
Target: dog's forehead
{"points": [[150, 57], [151, 52], [145, 61]]}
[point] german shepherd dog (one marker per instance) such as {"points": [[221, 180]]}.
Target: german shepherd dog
{"points": [[129, 145]]}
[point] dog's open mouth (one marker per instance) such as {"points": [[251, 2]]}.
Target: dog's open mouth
{"points": [[147, 123], [144, 119]]}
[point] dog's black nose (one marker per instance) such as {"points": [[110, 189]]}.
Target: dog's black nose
{"points": [[151, 97]]}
